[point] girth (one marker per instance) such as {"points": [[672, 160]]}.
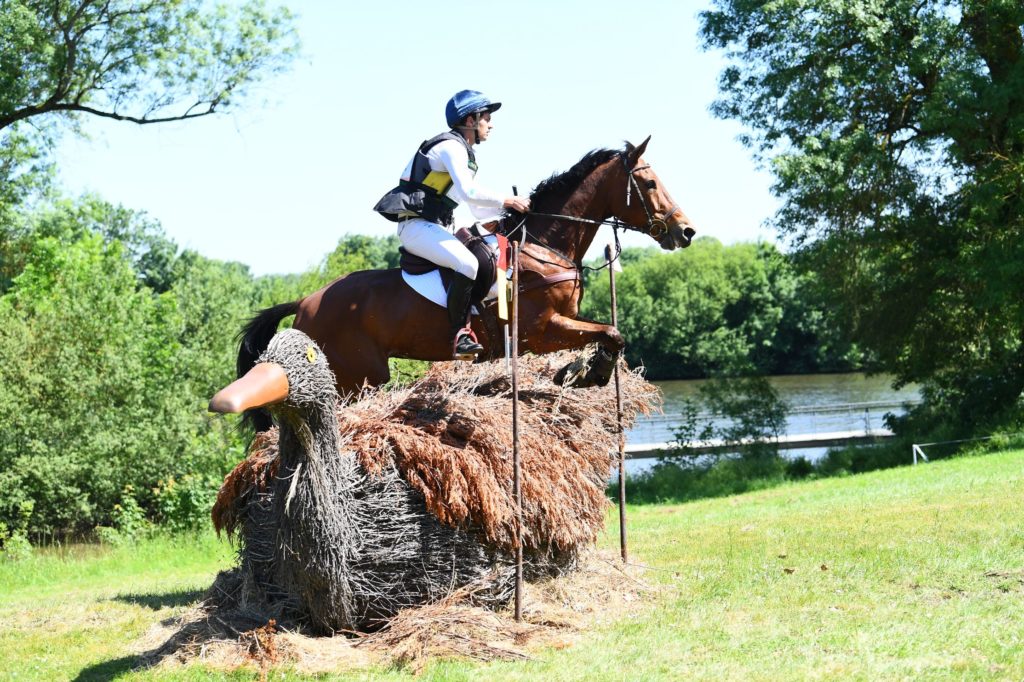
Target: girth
{"points": [[550, 280]]}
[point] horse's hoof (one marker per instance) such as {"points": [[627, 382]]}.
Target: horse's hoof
{"points": [[572, 374], [601, 368], [587, 371]]}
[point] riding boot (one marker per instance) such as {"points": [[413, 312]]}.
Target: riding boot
{"points": [[464, 346]]}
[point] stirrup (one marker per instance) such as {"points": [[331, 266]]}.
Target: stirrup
{"points": [[466, 347]]}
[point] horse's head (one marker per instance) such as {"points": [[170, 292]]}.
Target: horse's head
{"points": [[645, 205]]}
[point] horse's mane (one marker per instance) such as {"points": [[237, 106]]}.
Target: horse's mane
{"points": [[560, 184]]}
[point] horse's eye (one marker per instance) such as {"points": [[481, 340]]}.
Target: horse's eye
{"points": [[651, 184]]}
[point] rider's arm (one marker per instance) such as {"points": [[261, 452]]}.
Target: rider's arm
{"points": [[481, 201]]}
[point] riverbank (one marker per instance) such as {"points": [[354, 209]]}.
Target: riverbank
{"points": [[816, 403], [913, 572]]}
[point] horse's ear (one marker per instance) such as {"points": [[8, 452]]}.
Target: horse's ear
{"points": [[634, 153]]}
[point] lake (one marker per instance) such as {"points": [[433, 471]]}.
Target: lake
{"points": [[811, 398]]}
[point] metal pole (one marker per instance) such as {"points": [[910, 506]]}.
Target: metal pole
{"points": [[516, 461], [618, 416]]}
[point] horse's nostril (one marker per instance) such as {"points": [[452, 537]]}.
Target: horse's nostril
{"points": [[689, 232]]}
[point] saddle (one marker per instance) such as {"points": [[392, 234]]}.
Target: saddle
{"points": [[487, 262]]}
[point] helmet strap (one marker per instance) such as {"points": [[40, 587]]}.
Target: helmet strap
{"points": [[476, 133]]}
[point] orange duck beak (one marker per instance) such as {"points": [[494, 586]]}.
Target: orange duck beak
{"points": [[265, 384]]}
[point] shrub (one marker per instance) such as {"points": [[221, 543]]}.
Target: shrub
{"points": [[14, 541], [184, 504]]}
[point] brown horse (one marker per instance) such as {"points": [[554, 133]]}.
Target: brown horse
{"points": [[364, 318]]}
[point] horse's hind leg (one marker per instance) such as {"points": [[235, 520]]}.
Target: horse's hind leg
{"points": [[357, 368]]}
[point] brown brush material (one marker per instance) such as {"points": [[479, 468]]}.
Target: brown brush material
{"points": [[252, 475], [450, 437]]}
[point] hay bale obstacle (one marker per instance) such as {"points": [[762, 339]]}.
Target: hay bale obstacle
{"points": [[346, 516]]}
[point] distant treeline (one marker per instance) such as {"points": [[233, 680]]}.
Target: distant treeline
{"points": [[112, 340], [712, 310]]}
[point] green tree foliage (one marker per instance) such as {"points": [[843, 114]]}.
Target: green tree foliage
{"points": [[896, 134], [104, 377], [111, 344], [149, 251], [354, 252], [25, 174], [88, 374], [712, 310], [143, 61]]}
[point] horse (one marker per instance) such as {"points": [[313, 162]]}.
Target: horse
{"points": [[363, 318]]}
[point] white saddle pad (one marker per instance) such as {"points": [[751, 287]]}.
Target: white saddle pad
{"points": [[429, 285]]}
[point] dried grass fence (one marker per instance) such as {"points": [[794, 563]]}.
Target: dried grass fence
{"points": [[347, 516]]}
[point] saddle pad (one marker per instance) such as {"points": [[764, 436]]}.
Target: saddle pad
{"points": [[429, 286]]}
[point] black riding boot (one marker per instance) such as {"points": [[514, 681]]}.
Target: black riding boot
{"points": [[459, 292]]}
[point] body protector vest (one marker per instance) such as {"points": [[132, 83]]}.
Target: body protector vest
{"points": [[425, 193]]}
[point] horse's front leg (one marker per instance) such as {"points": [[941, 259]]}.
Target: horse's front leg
{"points": [[565, 333]]}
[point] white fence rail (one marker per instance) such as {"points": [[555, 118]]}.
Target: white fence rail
{"points": [[802, 422]]}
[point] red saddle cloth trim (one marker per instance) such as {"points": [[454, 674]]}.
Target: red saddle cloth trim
{"points": [[503, 252]]}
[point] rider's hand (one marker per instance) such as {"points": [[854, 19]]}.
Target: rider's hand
{"points": [[521, 204]]}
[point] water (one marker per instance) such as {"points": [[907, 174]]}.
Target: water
{"points": [[808, 397]]}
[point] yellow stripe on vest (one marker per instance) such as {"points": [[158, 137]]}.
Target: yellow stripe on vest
{"points": [[439, 181]]}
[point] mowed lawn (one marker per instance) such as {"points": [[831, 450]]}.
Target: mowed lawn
{"points": [[915, 573]]}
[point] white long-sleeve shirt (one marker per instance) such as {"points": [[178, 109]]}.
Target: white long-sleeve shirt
{"points": [[451, 157]]}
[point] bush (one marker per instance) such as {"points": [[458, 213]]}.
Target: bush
{"points": [[747, 417], [14, 541], [676, 480], [128, 521], [103, 383], [184, 504]]}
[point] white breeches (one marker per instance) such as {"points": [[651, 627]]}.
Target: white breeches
{"points": [[431, 241]]}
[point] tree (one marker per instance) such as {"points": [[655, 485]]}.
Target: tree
{"points": [[896, 134], [88, 385], [145, 61], [717, 310], [151, 253]]}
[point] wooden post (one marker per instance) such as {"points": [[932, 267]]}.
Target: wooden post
{"points": [[618, 413], [517, 489]]}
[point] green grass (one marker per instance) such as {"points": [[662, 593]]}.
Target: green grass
{"points": [[913, 573], [74, 612]]}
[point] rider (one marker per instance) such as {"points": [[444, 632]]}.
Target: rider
{"points": [[440, 176]]}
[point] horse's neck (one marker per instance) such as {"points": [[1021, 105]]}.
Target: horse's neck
{"points": [[589, 201]]}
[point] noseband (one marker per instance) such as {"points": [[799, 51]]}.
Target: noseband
{"points": [[656, 227]]}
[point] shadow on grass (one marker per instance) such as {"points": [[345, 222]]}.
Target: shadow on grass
{"points": [[108, 670], [159, 601]]}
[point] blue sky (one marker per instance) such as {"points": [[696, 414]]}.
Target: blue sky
{"points": [[277, 182]]}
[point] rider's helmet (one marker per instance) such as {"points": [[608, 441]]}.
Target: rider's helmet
{"points": [[466, 102]]}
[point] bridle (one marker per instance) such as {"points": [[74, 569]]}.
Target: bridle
{"points": [[657, 227]]}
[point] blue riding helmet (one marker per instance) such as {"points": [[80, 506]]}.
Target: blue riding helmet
{"points": [[466, 102]]}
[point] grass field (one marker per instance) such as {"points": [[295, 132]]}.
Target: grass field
{"points": [[913, 573]]}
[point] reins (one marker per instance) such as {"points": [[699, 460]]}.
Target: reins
{"points": [[655, 226]]}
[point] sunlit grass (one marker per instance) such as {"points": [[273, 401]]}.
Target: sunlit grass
{"points": [[912, 573], [74, 612]]}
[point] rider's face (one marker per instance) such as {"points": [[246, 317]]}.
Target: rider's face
{"points": [[483, 126]]}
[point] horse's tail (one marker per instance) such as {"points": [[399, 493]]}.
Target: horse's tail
{"points": [[253, 340]]}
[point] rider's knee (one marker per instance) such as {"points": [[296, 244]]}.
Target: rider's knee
{"points": [[467, 267]]}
